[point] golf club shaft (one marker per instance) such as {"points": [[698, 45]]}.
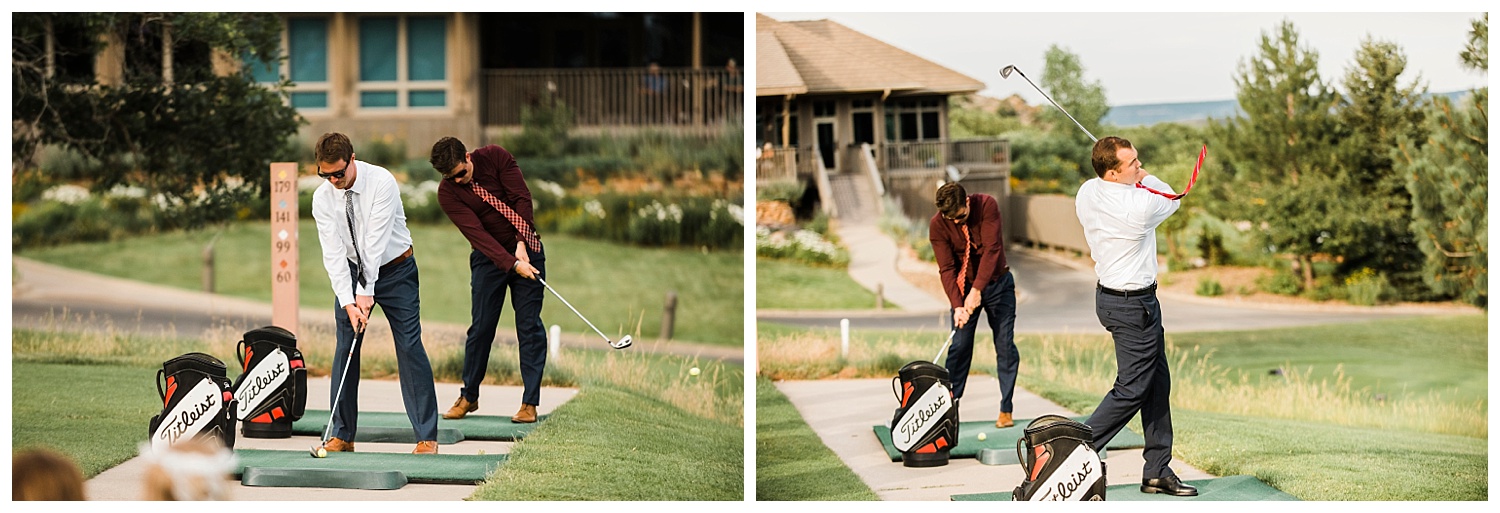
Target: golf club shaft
{"points": [[348, 362], [945, 345], [1054, 103], [570, 307]]}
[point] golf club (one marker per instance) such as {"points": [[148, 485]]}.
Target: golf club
{"points": [[945, 345], [1005, 73], [359, 336], [622, 344]]}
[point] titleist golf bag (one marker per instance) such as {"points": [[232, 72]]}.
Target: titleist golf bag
{"points": [[197, 401], [925, 426], [272, 391], [1059, 461]]}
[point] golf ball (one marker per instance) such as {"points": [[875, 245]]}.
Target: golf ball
{"points": [[981, 436], [693, 371], [322, 453]]}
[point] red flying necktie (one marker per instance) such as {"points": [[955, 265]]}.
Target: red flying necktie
{"points": [[1202, 153], [524, 229]]}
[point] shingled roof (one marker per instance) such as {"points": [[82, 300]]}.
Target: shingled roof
{"points": [[821, 56]]}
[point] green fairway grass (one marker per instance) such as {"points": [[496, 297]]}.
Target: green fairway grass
{"points": [[95, 414], [1394, 409], [91, 397], [791, 463], [622, 289], [787, 285], [613, 444]]}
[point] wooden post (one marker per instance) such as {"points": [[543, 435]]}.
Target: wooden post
{"points": [[284, 289], [208, 268], [880, 296], [669, 315]]}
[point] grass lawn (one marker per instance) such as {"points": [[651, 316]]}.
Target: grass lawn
{"points": [[613, 444], [1317, 434], [787, 285], [1394, 357], [791, 463], [641, 428], [96, 414], [622, 289]]}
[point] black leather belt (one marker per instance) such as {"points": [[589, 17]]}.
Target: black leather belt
{"points": [[397, 260], [1127, 293]]}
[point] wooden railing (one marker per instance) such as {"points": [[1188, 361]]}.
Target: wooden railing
{"points": [[617, 96], [937, 154]]}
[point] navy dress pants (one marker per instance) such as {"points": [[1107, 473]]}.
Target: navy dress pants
{"points": [[1143, 383], [998, 303], [396, 295], [488, 285]]}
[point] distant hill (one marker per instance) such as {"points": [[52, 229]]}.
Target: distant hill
{"points": [[1192, 113]]}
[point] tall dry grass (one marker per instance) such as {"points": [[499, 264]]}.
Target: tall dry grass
{"points": [[1086, 365]]}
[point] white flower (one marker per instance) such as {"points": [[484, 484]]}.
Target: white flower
{"points": [[66, 193], [594, 208], [661, 213], [308, 183], [551, 188], [126, 191]]}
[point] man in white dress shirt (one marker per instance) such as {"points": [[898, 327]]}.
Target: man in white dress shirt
{"points": [[1120, 217], [367, 251]]}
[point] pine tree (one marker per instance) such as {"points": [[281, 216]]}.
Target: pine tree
{"points": [[1378, 111], [1447, 177], [1281, 154]]}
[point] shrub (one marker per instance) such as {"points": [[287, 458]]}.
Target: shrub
{"points": [[1281, 282], [1366, 287], [802, 245], [1209, 287], [789, 192]]}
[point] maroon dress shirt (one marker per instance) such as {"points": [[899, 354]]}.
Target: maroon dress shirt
{"points": [[487, 230], [986, 251]]}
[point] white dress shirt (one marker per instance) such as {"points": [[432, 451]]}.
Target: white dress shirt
{"points": [[379, 221], [1119, 223]]}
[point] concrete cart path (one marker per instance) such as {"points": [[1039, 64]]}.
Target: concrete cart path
{"points": [[842, 413], [123, 482]]}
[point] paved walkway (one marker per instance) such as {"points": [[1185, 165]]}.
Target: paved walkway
{"points": [[123, 482], [842, 413]]}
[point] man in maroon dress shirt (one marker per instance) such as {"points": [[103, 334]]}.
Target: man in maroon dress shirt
{"points": [[969, 244], [486, 197]]}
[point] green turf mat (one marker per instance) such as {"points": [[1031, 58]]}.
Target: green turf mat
{"points": [[323, 478], [1004, 439], [1232, 488], [382, 426], [418, 468]]}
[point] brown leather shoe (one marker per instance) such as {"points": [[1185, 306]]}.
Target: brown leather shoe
{"points": [[460, 408], [426, 447], [527, 414], [1005, 420], [336, 445]]}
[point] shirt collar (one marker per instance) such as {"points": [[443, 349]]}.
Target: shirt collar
{"points": [[359, 177]]}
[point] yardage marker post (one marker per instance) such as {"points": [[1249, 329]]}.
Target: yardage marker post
{"points": [[284, 297]]}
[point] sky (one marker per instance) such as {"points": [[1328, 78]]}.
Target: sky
{"points": [[1161, 57]]}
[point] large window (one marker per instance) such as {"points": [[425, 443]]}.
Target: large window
{"points": [[306, 63], [913, 119], [403, 62]]}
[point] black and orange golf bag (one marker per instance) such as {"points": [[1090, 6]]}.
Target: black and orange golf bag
{"points": [[925, 426], [272, 391], [197, 401], [1057, 454]]}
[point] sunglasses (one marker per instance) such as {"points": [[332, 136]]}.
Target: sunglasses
{"points": [[336, 174], [455, 176]]}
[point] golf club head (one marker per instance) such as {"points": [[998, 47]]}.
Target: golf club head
{"points": [[1006, 71], [623, 343], [314, 451]]}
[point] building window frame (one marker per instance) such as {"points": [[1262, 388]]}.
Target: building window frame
{"points": [[403, 86], [284, 68]]}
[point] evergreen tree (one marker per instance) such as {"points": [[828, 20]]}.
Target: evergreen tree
{"points": [[1447, 177], [1377, 112], [1280, 155]]}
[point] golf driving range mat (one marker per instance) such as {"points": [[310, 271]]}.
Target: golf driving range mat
{"points": [[1003, 440], [1232, 488], [394, 427], [361, 470]]}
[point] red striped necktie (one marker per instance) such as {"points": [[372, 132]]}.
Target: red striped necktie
{"points": [[523, 228], [963, 271]]}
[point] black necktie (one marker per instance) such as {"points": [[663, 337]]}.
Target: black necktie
{"points": [[359, 262]]}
